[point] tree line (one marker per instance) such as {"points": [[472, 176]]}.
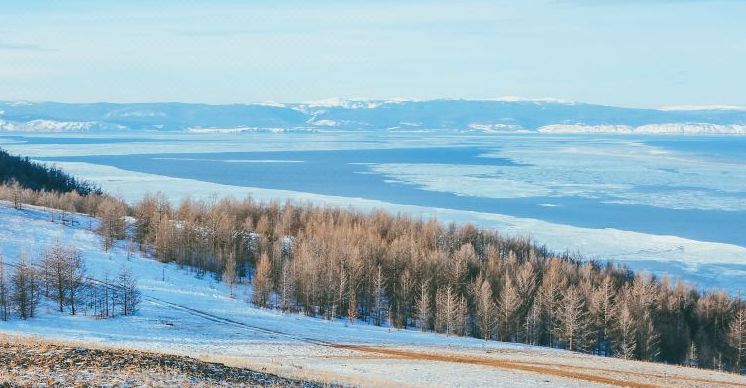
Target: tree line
{"points": [[40, 177], [406, 272], [458, 280], [59, 276]]}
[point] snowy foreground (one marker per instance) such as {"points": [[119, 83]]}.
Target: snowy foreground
{"points": [[185, 315]]}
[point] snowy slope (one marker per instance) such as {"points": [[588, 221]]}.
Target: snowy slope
{"points": [[183, 314]]}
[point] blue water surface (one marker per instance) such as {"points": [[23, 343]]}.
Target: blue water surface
{"points": [[347, 173]]}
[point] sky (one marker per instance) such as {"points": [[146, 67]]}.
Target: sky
{"points": [[638, 53]]}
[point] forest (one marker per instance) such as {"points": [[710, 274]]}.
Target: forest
{"points": [[385, 269], [38, 176]]}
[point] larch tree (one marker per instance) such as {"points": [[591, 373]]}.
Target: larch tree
{"points": [[406, 294], [25, 288], [737, 336], [262, 285], [355, 271], [341, 297], [379, 298], [531, 324], [486, 309], [601, 313], [54, 269], [572, 319], [552, 284], [644, 293], [127, 296], [287, 286], [17, 194], [104, 298], [230, 272], [63, 275], [507, 304], [424, 309], [624, 330], [111, 214], [461, 318], [76, 277], [445, 310], [5, 302]]}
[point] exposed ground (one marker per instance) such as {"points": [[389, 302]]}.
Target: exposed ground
{"points": [[34, 363], [582, 368]]}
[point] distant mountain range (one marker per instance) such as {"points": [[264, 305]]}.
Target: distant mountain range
{"points": [[498, 115]]}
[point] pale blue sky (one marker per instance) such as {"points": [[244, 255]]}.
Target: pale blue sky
{"points": [[644, 53]]}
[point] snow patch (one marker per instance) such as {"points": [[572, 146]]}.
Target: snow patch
{"points": [[325, 123], [47, 126], [494, 127], [201, 130], [234, 160], [702, 107], [652, 129], [140, 113], [550, 100], [19, 103]]}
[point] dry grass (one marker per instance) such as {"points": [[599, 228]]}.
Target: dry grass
{"points": [[33, 363]]}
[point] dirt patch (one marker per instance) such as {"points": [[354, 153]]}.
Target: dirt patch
{"points": [[43, 364], [657, 376], [595, 375]]}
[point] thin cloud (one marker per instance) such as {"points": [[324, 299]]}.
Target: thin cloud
{"points": [[6, 45]]}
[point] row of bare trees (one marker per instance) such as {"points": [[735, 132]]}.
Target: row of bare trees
{"points": [[19, 290], [59, 276], [459, 280], [71, 201], [110, 211]]}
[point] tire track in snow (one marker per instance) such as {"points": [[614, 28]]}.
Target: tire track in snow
{"points": [[544, 369], [202, 314]]}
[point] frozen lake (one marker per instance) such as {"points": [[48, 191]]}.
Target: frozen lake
{"points": [[688, 187]]}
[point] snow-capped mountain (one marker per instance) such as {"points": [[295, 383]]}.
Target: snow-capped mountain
{"points": [[508, 114]]}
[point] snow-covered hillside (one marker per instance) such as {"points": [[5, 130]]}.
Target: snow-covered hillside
{"points": [[185, 314], [509, 114]]}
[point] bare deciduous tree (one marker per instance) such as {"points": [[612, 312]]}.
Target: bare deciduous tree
{"points": [[111, 227], [486, 309], [25, 288], [5, 302], [230, 274], [126, 295], [507, 303], [624, 326], [424, 309], [262, 286], [737, 335], [572, 319]]}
